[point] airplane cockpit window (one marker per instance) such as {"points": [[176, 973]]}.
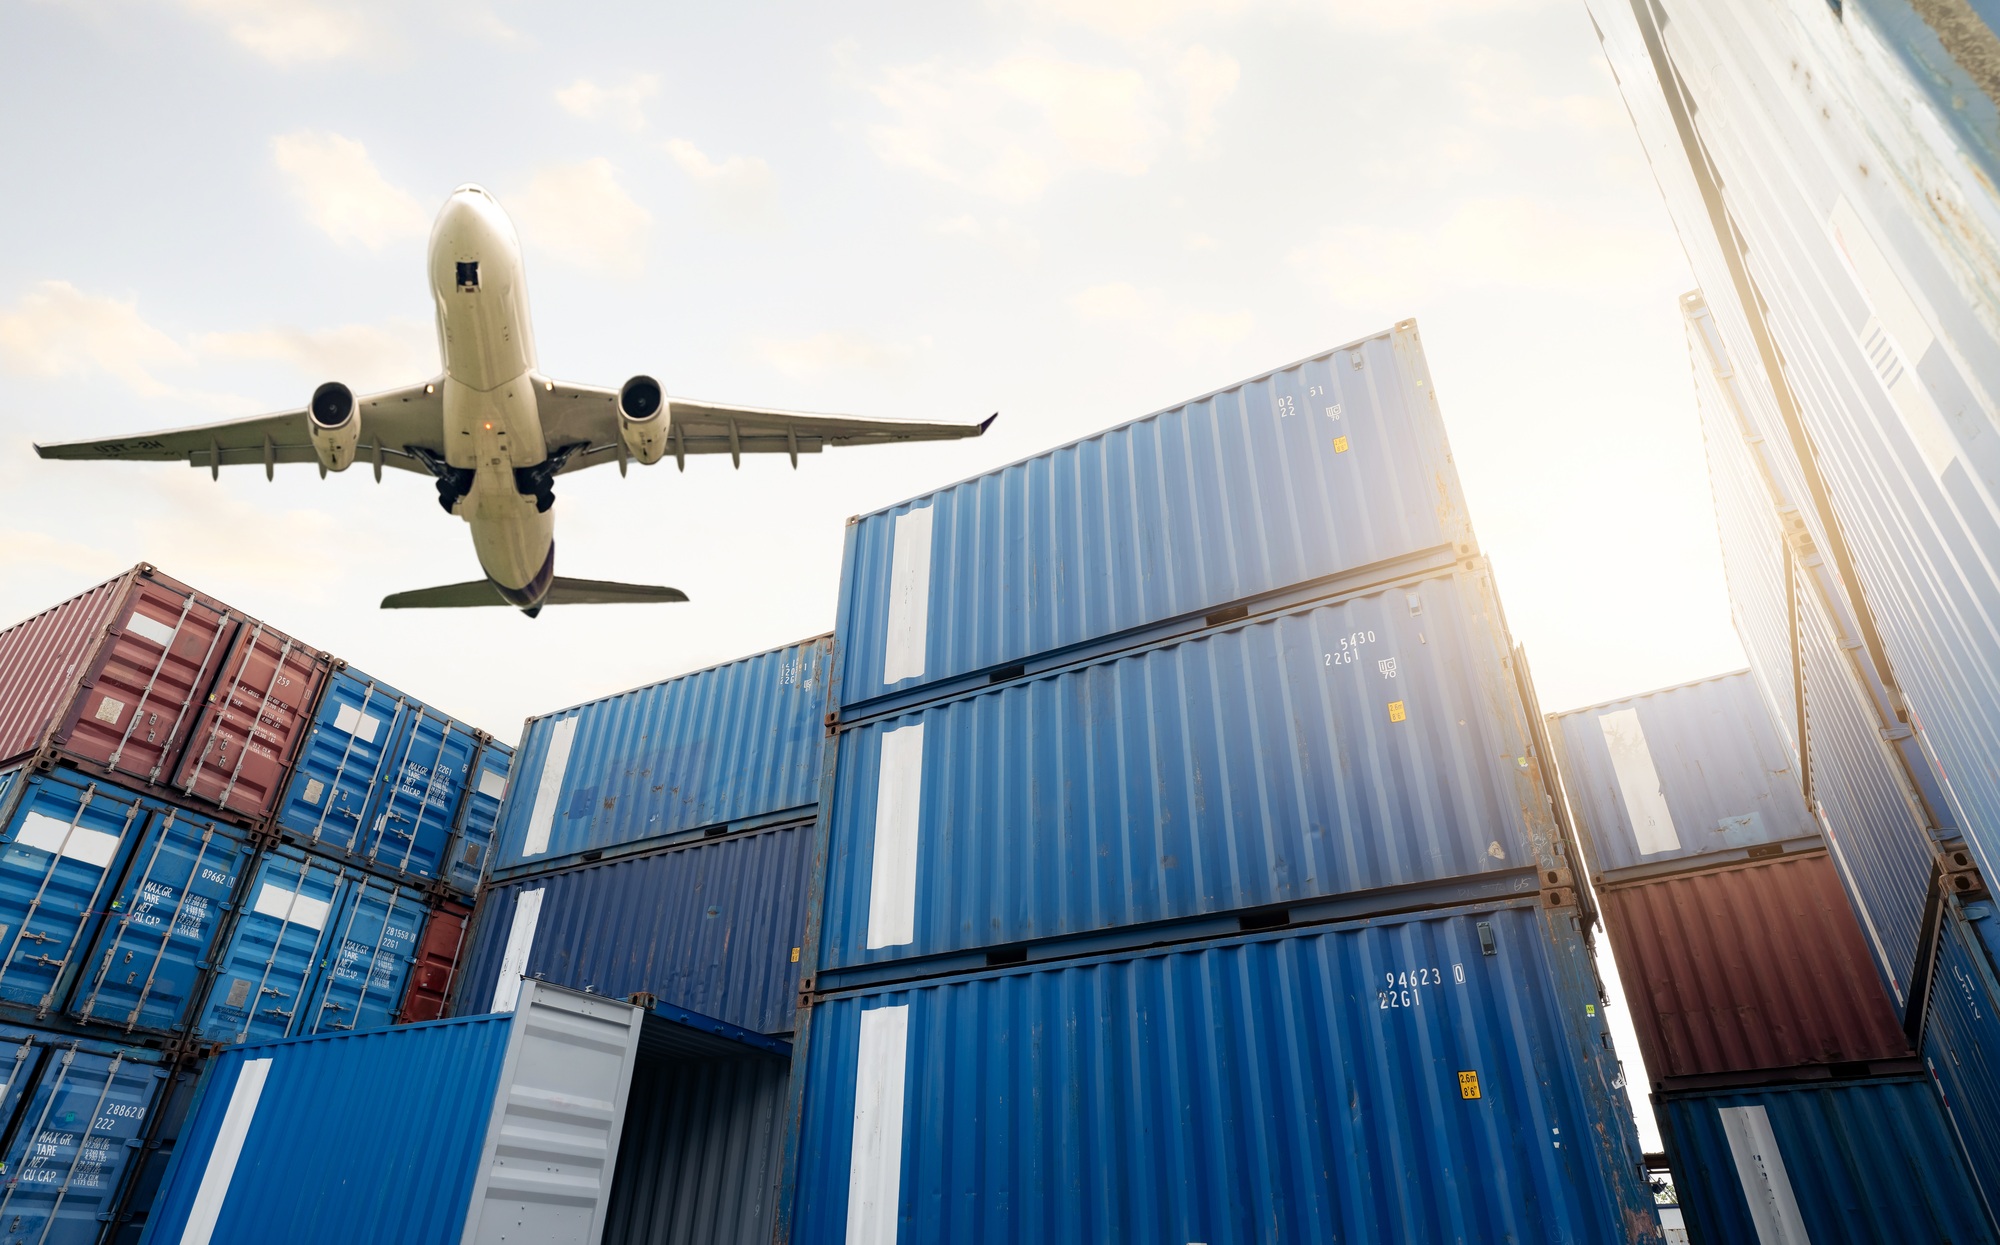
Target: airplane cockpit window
{"points": [[468, 274]]}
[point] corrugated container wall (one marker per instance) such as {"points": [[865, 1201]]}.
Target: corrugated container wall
{"points": [[1962, 1034], [1855, 1162], [698, 1164], [1242, 1089], [439, 956], [479, 818], [392, 1135], [1328, 468], [1687, 772], [724, 746], [1361, 746], [1748, 966], [713, 926], [1865, 283]]}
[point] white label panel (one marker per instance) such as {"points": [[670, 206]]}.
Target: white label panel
{"points": [[909, 597], [356, 723], [52, 834], [493, 785], [554, 767], [520, 943], [875, 1166], [108, 710], [152, 628], [899, 792], [292, 907], [1638, 782], [1761, 1169], [228, 1148]]}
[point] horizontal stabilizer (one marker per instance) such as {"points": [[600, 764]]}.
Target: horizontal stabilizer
{"points": [[561, 592]]}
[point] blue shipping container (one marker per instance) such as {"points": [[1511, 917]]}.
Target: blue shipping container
{"points": [[1371, 743], [1333, 465], [317, 947], [1443, 1077], [1961, 1045], [75, 1112], [723, 746], [478, 818], [1679, 774], [1854, 1161], [397, 1134], [379, 778], [713, 926]]}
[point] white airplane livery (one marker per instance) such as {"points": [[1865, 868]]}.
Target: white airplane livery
{"points": [[495, 433]]}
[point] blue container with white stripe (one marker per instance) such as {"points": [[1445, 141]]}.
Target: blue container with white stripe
{"points": [[725, 748], [1961, 1043], [479, 818], [379, 779], [1327, 471], [318, 946]]}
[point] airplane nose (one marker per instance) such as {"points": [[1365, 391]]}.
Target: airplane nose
{"points": [[472, 188]]}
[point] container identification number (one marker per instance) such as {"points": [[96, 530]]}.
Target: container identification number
{"points": [[1405, 989], [1349, 651]]}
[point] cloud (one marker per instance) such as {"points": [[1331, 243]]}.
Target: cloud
{"points": [[365, 356], [1121, 305], [344, 194], [825, 352], [580, 213], [1132, 19], [741, 190], [1001, 234], [1206, 79], [288, 32], [1515, 242], [624, 105], [57, 330]]}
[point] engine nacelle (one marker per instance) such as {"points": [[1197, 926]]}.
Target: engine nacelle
{"points": [[644, 419], [334, 420]]}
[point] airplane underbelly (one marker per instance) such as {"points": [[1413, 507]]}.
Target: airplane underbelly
{"points": [[514, 541]]}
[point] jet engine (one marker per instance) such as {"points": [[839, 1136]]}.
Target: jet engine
{"points": [[334, 422], [644, 419]]}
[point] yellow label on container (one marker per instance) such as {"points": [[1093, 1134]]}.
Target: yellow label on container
{"points": [[1468, 1085], [1340, 445], [1396, 712], [795, 955]]}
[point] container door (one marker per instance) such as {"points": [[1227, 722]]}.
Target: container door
{"points": [[285, 926], [236, 756], [478, 818], [436, 968], [146, 962], [410, 819], [362, 982], [138, 712], [345, 756], [64, 846], [81, 1128]]}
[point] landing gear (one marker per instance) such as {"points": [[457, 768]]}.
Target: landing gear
{"points": [[539, 481]]}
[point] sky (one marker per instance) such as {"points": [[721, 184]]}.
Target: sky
{"points": [[1072, 213]]}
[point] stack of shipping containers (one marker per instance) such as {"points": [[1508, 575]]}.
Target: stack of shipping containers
{"points": [[1769, 1036], [1189, 870], [157, 896], [658, 848], [1832, 173]]}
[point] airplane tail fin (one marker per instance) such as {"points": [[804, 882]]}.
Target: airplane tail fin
{"points": [[562, 592]]}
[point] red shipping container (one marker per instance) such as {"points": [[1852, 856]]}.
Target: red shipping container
{"points": [[437, 964], [148, 680], [1753, 966]]}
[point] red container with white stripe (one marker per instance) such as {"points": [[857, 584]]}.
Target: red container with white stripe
{"points": [[156, 683]]}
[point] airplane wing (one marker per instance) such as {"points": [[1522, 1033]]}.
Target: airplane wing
{"points": [[587, 417], [392, 422]]}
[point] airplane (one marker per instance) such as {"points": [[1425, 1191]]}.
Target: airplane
{"points": [[494, 432]]}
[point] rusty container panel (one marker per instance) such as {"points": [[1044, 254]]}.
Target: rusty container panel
{"points": [[1748, 967], [113, 677], [252, 722], [437, 964]]}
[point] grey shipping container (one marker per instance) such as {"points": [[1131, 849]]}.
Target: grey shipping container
{"points": [[1374, 744], [713, 926], [725, 747], [1334, 467]]}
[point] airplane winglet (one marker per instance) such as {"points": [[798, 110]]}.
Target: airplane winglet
{"points": [[986, 423]]}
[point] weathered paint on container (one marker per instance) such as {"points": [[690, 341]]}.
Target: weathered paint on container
{"points": [[1379, 1081], [714, 926], [1851, 252], [1749, 966], [1318, 470], [489, 1129], [316, 946], [1679, 774], [1852, 1161], [1961, 1046], [379, 778], [1368, 744], [256, 713], [726, 745], [478, 818], [76, 1115], [436, 970]]}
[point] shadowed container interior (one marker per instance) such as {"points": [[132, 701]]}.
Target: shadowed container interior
{"points": [[698, 1161]]}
